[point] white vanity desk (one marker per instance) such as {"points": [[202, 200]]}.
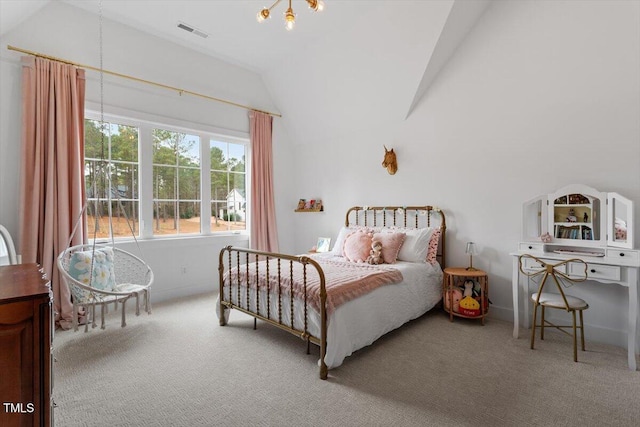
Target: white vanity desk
{"points": [[618, 266], [596, 227]]}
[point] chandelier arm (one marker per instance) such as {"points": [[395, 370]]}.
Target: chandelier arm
{"points": [[275, 3]]}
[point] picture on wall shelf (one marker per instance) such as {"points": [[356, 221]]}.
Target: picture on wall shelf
{"points": [[323, 244], [309, 205]]}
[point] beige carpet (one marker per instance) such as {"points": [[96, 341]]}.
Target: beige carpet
{"points": [[178, 367]]}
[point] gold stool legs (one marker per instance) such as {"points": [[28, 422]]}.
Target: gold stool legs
{"points": [[582, 331], [575, 334], [533, 325], [575, 328]]}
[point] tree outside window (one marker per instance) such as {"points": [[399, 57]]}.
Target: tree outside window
{"points": [[228, 186], [176, 183], [111, 179]]}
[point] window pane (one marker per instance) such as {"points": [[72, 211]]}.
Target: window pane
{"points": [[125, 218], [111, 152], [93, 140], [189, 184], [164, 218], [219, 185], [218, 152], [164, 183], [189, 217], [217, 212], [165, 147], [95, 178], [228, 186], [189, 150], [176, 182], [237, 183], [124, 144], [98, 210], [124, 180], [236, 157]]}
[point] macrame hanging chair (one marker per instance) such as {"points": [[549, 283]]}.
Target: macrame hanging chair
{"points": [[100, 274]]}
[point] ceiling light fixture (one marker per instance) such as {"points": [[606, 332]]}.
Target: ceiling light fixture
{"points": [[289, 16]]}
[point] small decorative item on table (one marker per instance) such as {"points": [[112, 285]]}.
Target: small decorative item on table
{"points": [[465, 293], [323, 244]]}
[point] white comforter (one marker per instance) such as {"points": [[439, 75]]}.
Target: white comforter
{"points": [[358, 323]]}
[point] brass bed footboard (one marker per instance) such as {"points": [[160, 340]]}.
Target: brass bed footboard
{"points": [[241, 269]]}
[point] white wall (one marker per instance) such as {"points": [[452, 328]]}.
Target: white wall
{"points": [[538, 96], [181, 266]]}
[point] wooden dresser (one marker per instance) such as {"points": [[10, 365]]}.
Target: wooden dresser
{"points": [[26, 338]]}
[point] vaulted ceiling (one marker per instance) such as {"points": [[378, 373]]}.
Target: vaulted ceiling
{"points": [[234, 35]]}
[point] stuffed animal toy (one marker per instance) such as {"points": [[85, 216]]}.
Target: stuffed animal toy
{"points": [[375, 255], [468, 288], [469, 306], [546, 237], [457, 297]]}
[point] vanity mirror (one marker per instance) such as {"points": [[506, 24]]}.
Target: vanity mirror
{"points": [[578, 215]]}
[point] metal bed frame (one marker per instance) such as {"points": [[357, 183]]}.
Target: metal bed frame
{"points": [[238, 259]]}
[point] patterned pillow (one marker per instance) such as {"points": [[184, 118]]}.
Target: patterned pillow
{"points": [[433, 247], [391, 244], [338, 247], [103, 276], [357, 246]]}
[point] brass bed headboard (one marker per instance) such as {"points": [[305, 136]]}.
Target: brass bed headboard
{"points": [[401, 216]]}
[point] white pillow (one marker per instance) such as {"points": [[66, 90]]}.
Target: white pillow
{"points": [[416, 244]]}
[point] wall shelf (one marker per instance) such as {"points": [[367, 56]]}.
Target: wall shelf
{"points": [[310, 210]]}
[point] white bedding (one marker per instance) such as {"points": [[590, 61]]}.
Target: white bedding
{"points": [[359, 322]]}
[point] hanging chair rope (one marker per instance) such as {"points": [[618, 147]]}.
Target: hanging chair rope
{"points": [[134, 277]]}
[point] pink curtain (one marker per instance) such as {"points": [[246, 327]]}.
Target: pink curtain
{"points": [[52, 188], [264, 235]]}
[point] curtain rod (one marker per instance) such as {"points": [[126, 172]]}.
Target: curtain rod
{"points": [[124, 76]]}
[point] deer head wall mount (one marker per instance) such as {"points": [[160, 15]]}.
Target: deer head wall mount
{"points": [[390, 161]]}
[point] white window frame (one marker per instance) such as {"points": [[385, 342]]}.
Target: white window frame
{"points": [[145, 124]]}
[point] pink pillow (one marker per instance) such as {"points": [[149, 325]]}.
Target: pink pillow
{"points": [[432, 252], [391, 244], [357, 246]]}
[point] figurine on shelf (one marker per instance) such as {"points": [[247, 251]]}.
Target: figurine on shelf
{"points": [[572, 216], [301, 203], [585, 217]]}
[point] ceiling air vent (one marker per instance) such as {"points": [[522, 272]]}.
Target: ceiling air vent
{"points": [[193, 30]]}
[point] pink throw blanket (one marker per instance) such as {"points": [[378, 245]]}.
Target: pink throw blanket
{"points": [[344, 280]]}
